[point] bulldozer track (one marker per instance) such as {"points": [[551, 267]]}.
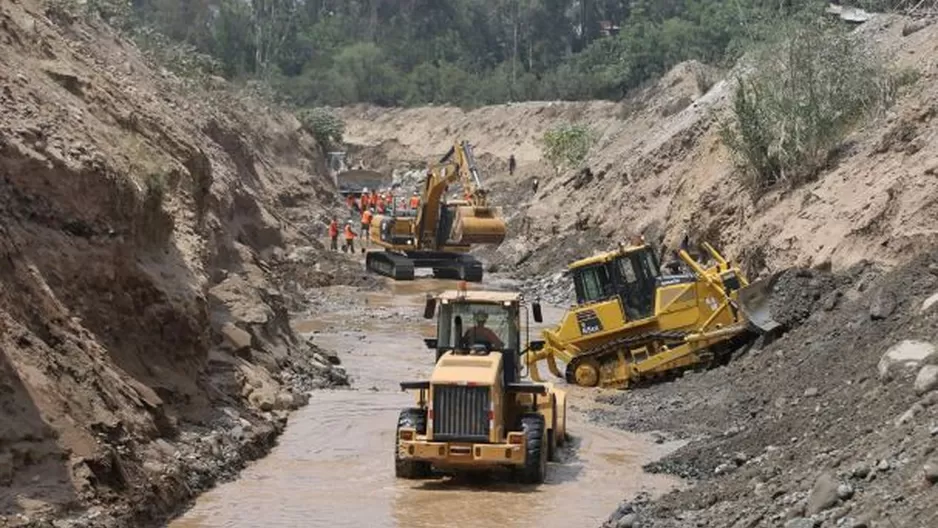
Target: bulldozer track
{"points": [[626, 343]]}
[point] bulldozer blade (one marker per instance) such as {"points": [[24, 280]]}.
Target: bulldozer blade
{"points": [[754, 302]]}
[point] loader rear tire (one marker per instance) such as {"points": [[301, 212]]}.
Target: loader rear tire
{"points": [[536, 443], [404, 468]]}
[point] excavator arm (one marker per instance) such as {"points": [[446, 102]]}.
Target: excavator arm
{"points": [[474, 222]]}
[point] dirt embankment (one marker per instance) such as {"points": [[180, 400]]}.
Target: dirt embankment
{"points": [[833, 424], [152, 235], [659, 168]]}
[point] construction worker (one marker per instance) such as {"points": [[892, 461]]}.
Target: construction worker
{"points": [[511, 165], [363, 201], [334, 234], [380, 204], [415, 201], [482, 335], [350, 202], [349, 238], [366, 223], [536, 184]]}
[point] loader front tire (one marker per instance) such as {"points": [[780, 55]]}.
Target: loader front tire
{"points": [[406, 468], [536, 443]]}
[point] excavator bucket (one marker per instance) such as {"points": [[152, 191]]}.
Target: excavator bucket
{"points": [[478, 225], [754, 302]]}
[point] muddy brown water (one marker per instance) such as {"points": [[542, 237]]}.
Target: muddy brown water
{"points": [[333, 466]]}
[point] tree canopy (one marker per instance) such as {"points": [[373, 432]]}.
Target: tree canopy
{"points": [[466, 52]]}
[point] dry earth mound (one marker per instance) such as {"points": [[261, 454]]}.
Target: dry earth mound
{"points": [[147, 227]]}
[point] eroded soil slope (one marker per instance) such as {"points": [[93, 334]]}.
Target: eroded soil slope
{"points": [[817, 429], [146, 227], [659, 168]]}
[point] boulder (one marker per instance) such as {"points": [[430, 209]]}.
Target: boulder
{"points": [[235, 337], [823, 495], [904, 357], [929, 302], [285, 401], [927, 379], [263, 398], [883, 305], [801, 522], [845, 491], [931, 471]]}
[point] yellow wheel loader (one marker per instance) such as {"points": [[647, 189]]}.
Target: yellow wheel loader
{"points": [[475, 413], [632, 323], [440, 233]]}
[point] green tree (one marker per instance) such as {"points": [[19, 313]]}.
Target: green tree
{"points": [[809, 92]]}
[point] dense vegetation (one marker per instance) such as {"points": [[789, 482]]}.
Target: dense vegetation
{"points": [[808, 92], [468, 52]]}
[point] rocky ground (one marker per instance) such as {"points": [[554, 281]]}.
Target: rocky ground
{"points": [[833, 424], [155, 235]]}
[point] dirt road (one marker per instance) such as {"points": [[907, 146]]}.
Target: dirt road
{"points": [[333, 466]]}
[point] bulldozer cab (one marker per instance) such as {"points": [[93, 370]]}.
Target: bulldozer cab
{"points": [[631, 274]]}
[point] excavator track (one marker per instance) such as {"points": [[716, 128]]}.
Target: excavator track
{"points": [[459, 267], [388, 264]]}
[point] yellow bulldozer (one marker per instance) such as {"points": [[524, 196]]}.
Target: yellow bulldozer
{"points": [[475, 413], [440, 233], [633, 323]]}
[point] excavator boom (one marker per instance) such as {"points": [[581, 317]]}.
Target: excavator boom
{"points": [[443, 231]]}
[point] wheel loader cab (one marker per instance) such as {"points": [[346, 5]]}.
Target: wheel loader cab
{"points": [[481, 327], [475, 412]]}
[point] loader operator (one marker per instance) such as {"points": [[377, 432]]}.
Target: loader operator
{"points": [[479, 334]]}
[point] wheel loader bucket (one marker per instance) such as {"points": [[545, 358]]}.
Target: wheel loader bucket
{"points": [[754, 302]]}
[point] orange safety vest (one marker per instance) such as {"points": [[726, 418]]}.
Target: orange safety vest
{"points": [[366, 217], [349, 235], [364, 201], [333, 229], [350, 201], [414, 202]]}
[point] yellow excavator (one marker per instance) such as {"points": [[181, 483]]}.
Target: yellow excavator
{"points": [[633, 323], [440, 233]]}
